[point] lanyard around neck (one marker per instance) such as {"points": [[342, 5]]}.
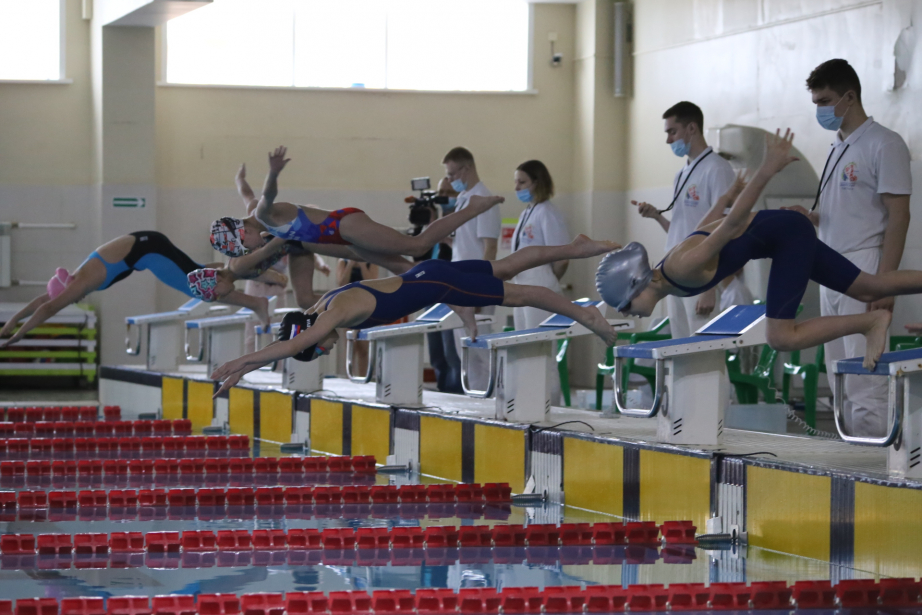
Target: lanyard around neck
{"points": [[518, 235], [823, 184], [675, 195]]}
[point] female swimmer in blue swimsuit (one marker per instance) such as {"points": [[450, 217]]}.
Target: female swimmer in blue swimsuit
{"points": [[721, 247], [113, 262], [345, 227], [464, 285]]}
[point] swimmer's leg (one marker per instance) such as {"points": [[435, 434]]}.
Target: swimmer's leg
{"points": [[301, 273], [787, 335], [260, 305], [871, 287], [535, 256], [522, 295], [363, 232]]}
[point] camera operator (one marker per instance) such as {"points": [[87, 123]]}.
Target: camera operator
{"points": [[475, 239]]}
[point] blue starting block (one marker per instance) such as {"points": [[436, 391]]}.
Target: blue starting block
{"points": [[691, 391], [520, 362], [396, 354], [163, 334], [220, 338], [903, 369]]}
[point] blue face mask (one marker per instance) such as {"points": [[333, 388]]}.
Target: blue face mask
{"points": [[458, 186], [826, 116], [524, 195], [450, 206], [680, 148]]}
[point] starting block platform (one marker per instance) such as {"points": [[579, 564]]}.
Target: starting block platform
{"points": [[692, 388]]}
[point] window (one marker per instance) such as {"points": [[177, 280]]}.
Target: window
{"points": [[477, 45], [30, 40]]}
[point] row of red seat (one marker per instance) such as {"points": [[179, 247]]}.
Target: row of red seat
{"points": [[171, 446], [603, 555], [193, 466], [565, 599], [98, 429], [33, 414], [262, 496], [436, 536]]}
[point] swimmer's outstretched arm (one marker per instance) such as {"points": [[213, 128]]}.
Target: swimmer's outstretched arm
{"points": [[232, 371], [777, 156], [82, 285], [245, 266], [23, 313], [265, 209]]}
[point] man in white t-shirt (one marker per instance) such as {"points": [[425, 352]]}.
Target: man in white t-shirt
{"points": [[862, 211], [475, 239], [696, 187]]}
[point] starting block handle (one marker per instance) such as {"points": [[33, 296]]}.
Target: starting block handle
{"points": [[658, 392], [199, 356], [894, 413], [133, 349], [491, 370], [370, 372]]}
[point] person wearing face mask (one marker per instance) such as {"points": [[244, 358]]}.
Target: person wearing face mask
{"points": [[862, 211], [476, 239], [696, 187], [541, 224]]}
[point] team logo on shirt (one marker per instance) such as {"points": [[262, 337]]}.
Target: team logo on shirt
{"points": [[691, 196], [849, 176], [528, 232]]}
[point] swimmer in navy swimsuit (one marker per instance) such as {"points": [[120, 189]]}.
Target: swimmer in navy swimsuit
{"points": [[113, 262], [721, 246], [463, 285], [343, 227]]}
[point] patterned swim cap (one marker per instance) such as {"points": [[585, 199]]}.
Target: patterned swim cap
{"points": [[58, 282], [203, 283], [227, 236]]}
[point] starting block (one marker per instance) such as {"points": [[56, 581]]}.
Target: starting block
{"points": [[519, 364], [395, 354], [301, 376], [903, 369], [692, 386], [164, 334], [221, 338]]}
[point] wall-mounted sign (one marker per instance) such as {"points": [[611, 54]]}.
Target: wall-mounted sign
{"points": [[129, 201]]}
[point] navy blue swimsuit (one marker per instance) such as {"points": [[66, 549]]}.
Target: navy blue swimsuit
{"points": [[464, 283], [798, 256]]}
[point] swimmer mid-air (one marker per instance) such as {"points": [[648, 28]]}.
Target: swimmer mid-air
{"points": [[463, 285], [721, 247], [349, 226], [113, 262]]}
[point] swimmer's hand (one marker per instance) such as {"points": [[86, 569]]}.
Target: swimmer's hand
{"points": [[228, 383], [469, 318], [277, 160], [742, 178], [915, 328], [242, 172], [321, 265], [777, 152]]}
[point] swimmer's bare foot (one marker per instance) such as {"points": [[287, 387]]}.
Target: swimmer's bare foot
{"points": [[469, 318], [876, 338], [262, 310], [597, 324], [481, 204], [585, 247]]}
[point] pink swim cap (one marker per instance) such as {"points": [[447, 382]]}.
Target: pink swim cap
{"points": [[58, 282]]}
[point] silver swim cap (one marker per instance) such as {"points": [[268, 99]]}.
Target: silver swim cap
{"points": [[623, 274]]}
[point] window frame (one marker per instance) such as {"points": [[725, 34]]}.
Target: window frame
{"points": [[62, 55], [529, 91]]}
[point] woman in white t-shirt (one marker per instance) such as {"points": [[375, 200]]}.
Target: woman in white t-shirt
{"points": [[541, 224]]}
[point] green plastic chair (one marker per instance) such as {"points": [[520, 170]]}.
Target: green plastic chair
{"points": [[904, 342], [810, 373], [760, 380], [608, 368]]}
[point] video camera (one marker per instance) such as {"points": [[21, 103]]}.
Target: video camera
{"points": [[421, 206]]}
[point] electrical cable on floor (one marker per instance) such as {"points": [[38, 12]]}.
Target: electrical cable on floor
{"points": [[810, 431], [564, 423], [744, 455]]}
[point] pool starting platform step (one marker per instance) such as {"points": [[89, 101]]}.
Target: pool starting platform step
{"points": [[802, 595]]}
